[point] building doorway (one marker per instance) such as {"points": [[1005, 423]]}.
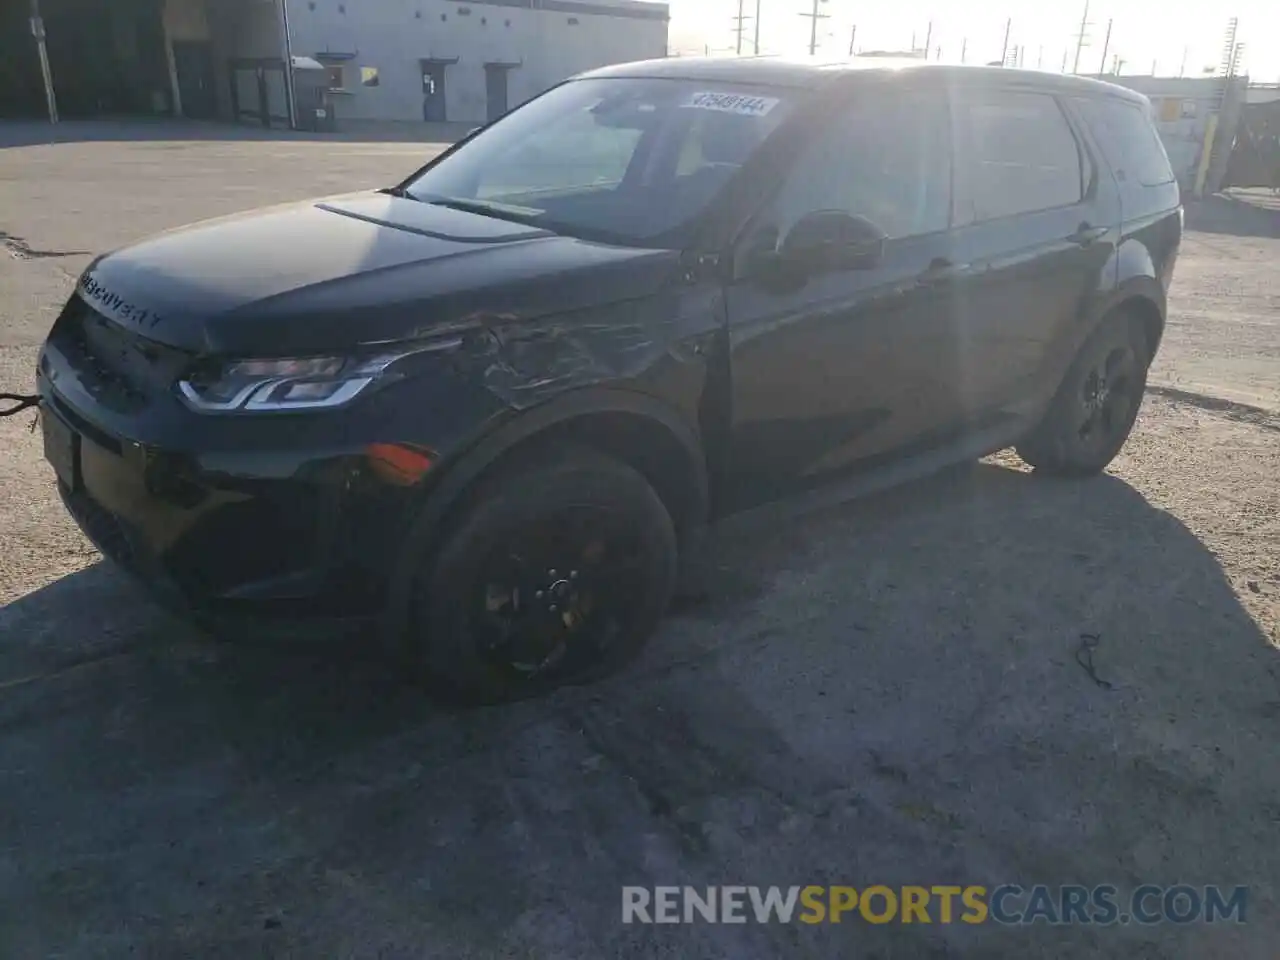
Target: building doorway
{"points": [[496, 89], [435, 108], [193, 63], [259, 92]]}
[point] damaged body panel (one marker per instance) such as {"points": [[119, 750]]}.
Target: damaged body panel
{"points": [[523, 316]]}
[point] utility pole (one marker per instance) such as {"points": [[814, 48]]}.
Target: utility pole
{"points": [[290, 90], [1080, 39], [758, 2], [741, 20], [928, 39], [853, 35], [814, 17], [1004, 52], [964, 49], [1106, 45], [37, 31], [1182, 67], [1229, 47], [1040, 58]]}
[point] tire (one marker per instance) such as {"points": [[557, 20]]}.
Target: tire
{"points": [[1094, 409], [556, 572]]}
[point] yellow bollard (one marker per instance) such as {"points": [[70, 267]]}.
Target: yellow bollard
{"points": [[1206, 155]]}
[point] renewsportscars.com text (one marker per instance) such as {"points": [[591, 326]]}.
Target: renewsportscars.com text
{"points": [[1008, 904]]}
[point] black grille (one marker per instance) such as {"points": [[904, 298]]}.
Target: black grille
{"points": [[114, 361], [112, 536], [102, 527]]}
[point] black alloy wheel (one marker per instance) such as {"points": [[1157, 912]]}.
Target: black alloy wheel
{"points": [[557, 573], [553, 599], [1107, 398], [1094, 410]]}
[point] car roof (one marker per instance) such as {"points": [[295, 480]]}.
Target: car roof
{"points": [[808, 74]]}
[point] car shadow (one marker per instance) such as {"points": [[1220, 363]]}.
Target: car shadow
{"points": [[1237, 213], [980, 678]]}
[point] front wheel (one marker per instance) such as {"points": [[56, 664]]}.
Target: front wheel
{"points": [[1094, 410], [556, 573]]}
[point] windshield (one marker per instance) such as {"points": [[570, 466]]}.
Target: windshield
{"points": [[629, 160]]}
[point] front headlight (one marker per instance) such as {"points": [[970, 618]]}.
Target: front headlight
{"points": [[308, 383]]}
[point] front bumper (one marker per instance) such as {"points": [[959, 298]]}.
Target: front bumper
{"points": [[280, 518], [281, 515], [311, 545]]}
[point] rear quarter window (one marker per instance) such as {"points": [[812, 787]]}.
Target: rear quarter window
{"points": [[1128, 139], [1019, 156]]}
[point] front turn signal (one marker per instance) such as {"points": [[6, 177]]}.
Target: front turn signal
{"points": [[400, 464]]}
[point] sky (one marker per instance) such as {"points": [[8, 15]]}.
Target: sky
{"points": [[1174, 36]]}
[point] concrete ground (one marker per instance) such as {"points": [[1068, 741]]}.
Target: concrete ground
{"points": [[889, 692]]}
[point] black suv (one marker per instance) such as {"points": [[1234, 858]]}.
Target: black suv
{"points": [[492, 408]]}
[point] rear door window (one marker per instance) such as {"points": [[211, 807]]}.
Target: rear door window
{"points": [[1020, 156], [1128, 140]]}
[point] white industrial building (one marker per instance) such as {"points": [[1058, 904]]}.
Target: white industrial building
{"points": [[462, 61], [465, 60]]}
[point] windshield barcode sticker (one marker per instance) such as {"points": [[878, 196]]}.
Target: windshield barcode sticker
{"points": [[738, 103]]}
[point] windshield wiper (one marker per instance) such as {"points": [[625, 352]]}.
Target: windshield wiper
{"points": [[399, 192], [496, 210]]}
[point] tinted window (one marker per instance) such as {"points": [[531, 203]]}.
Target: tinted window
{"points": [[1022, 156], [886, 160], [571, 152], [1128, 140], [624, 159]]}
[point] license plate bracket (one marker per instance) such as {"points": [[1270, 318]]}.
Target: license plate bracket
{"points": [[61, 448]]}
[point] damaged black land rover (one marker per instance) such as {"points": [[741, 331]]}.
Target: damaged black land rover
{"points": [[491, 408]]}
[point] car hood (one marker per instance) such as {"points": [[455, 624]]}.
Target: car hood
{"points": [[362, 268]]}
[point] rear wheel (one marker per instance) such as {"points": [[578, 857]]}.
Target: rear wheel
{"points": [[557, 573], [1095, 408]]}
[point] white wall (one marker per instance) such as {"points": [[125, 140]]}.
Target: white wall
{"points": [[395, 35], [1263, 93]]}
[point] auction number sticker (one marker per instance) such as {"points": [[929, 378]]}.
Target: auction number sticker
{"points": [[739, 103]]}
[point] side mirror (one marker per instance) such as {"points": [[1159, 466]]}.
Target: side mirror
{"points": [[833, 240]]}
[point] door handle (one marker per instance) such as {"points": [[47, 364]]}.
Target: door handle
{"points": [[1087, 234]]}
